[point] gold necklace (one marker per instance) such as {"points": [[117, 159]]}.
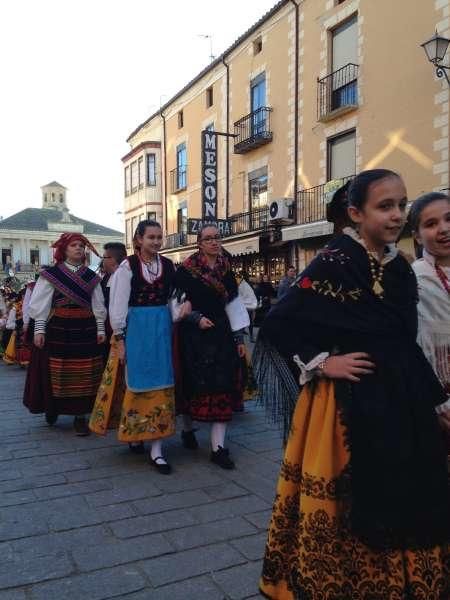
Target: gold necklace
{"points": [[377, 271]]}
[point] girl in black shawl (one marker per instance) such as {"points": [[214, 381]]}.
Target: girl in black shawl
{"points": [[362, 505]]}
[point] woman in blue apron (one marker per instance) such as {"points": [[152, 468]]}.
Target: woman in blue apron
{"points": [[142, 330]]}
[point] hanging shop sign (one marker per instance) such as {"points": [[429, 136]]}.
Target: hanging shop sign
{"points": [[196, 225], [209, 175], [209, 188]]}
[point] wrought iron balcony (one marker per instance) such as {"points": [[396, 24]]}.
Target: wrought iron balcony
{"points": [[311, 205], [178, 179], [255, 220], [174, 240], [337, 93], [253, 130]]}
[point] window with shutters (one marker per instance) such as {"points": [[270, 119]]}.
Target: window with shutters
{"points": [[151, 169], [141, 172], [134, 176], [342, 155], [209, 97], [127, 181]]}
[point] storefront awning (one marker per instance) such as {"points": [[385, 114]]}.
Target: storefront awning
{"points": [[307, 230], [247, 246], [179, 255]]}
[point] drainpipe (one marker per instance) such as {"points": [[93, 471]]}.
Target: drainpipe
{"points": [[227, 178], [296, 103], [165, 174], [297, 15]]}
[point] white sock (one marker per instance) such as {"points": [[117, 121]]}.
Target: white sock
{"points": [[187, 423], [218, 431], [156, 452]]}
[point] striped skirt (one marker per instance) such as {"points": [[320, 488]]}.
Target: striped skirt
{"points": [[73, 364]]}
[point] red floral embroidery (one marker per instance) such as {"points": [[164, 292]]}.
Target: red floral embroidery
{"points": [[305, 283]]}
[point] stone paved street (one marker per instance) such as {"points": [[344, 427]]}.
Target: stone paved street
{"points": [[83, 518]]}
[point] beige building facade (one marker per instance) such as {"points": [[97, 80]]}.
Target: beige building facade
{"points": [[315, 91]]}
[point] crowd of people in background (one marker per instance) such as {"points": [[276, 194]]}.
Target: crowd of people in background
{"points": [[352, 359]]}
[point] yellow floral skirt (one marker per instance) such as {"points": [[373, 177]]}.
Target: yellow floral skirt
{"points": [[311, 553], [137, 416], [9, 357]]}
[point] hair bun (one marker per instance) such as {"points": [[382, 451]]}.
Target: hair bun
{"points": [[336, 200]]}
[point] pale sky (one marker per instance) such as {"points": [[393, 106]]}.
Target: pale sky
{"points": [[77, 76]]}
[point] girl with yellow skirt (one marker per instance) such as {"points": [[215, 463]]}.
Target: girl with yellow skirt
{"points": [[362, 509], [137, 390], [17, 351], [9, 354]]}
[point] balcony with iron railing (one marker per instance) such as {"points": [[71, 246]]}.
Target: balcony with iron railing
{"points": [[256, 220], [253, 130], [178, 179], [311, 203], [175, 240], [337, 93]]}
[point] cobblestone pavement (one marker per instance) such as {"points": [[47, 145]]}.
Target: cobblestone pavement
{"points": [[83, 518]]}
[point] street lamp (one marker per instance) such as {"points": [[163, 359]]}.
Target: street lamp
{"points": [[435, 49]]}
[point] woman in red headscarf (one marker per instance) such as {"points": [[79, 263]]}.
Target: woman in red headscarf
{"points": [[69, 315]]}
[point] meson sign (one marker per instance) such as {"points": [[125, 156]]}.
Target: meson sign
{"points": [[209, 175], [209, 188]]}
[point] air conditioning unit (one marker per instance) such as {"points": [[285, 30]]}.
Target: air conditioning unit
{"points": [[280, 210]]}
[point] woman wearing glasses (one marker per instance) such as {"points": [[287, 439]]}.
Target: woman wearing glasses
{"points": [[209, 348]]}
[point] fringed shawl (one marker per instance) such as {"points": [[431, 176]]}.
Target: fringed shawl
{"points": [[77, 286], [434, 319], [217, 278]]}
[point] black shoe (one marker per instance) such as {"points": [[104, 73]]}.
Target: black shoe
{"points": [[51, 418], [81, 427], [222, 458], [189, 440], [137, 447], [162, 468]]}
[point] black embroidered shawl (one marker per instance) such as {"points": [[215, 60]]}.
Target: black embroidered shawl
{"points": [[77, 287], [398, 462], [209, 290]]}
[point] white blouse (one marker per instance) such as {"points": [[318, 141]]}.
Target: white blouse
{"points": [[247, 295], [121, 290], [26, 306], [434, 319], [41, 304], [11, 320]]}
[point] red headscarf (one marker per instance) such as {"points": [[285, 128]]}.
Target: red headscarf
{"points": [[66, 239]]}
